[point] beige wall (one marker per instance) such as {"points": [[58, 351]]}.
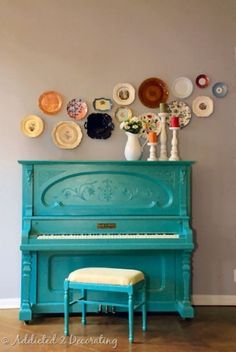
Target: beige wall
{"points": [[83, 48]]}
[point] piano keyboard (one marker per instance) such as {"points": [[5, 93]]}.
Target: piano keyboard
{"points": [[107, 236]]}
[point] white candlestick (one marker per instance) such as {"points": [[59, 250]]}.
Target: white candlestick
{"points": [[153, 152], [174, 145], [163, 136]]}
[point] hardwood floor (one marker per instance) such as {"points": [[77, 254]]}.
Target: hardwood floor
{"points": [[213, 329]]}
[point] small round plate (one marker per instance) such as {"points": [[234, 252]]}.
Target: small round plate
{"points": [[202, 81], [50, 102], [124, 94], [182, 87], [152, 92], [220, 90], [32, 126], [203, 106], [180, 109], [77, 109], [67, 135], [151, 123], [123, 113]]}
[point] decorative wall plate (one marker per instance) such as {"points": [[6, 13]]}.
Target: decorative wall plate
{"points": [[77, 109], [180, 109], [203, 106], [50, 102], [151, 122], [152, 92], [123, 113], [182, 87], [202, 81], [220, 90], [32, 126], [102, 104], [67, 135], [124, 94], [99, 126]]}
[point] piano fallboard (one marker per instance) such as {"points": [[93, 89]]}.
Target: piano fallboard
{"points": [[117, 214]]}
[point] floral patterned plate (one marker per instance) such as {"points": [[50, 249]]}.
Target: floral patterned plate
{"points": [[180, 109], [50, 102], [150, 122], [203, 106], [32, 126], [67, 135], [77, 109], [123, 113]]}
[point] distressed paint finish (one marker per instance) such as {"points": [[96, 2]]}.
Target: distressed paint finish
{"points": [[106, 197]]}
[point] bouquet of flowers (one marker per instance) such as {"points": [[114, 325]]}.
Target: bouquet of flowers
{"points": [[132, 125]]}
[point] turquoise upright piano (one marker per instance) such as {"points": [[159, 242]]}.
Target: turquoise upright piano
{"points": [[122, 214]]}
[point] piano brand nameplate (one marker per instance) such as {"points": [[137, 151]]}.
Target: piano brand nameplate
{"points": [[106, 226]]}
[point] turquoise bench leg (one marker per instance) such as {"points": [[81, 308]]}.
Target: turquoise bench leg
{"points": [[83, 308], [131, 318], [144, 310], [66, 309]]}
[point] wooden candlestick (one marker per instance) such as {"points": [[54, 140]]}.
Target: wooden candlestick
{"points": [[174, 156], [153, 152], [163, 136]]}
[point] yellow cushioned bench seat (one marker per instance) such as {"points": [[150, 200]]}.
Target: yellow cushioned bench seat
{"points": [[106, 276]]}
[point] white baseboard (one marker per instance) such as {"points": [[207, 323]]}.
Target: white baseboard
{"points": [[7, 303], [198, 300], [214, 300]]}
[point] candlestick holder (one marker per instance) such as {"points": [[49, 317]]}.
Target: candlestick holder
{"points": [[163, 136], [153, 152], [174, 156]]}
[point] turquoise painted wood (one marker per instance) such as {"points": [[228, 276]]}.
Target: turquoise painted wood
{"points": [[64, 198], [131, 304]]}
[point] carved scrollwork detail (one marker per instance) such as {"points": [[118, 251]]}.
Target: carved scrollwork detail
{"points": [[29, 177], [84, 191]]}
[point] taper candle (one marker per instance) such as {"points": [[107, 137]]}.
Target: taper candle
{"points": [[152, 137], [163, 107], [174, 122]]}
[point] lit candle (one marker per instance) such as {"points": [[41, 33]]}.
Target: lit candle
{"points": [[152, 137], [174, 122], [163, 107]]}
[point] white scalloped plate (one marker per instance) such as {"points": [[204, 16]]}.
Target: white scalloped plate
{"points": [[203, 106], [124, 94]]}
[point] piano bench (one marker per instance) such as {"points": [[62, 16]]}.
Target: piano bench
{"points": [[108, 280]]}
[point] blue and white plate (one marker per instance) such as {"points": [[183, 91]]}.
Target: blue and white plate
{"points": [[220, 90]]}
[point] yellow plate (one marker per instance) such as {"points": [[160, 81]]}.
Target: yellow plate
{"points": [[32, 126], [67, 135]]}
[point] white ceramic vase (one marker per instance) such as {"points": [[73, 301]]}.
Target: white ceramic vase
{"points": [[133, 148]]}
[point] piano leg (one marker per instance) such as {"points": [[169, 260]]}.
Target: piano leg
{"points": [[184, 307], [25, 309]]}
